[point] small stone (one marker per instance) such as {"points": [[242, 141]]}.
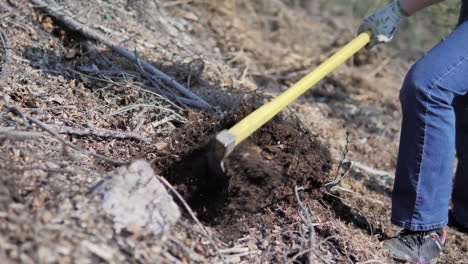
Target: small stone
{"points": [[46, 217], [133, 196], [199, 249], [46, 255], [161, 145]]}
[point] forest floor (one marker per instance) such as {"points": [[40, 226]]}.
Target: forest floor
{"points": [[235, 55]]}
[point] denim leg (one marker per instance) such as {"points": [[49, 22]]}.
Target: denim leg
{"points": [[423, 179], [460, 193]]}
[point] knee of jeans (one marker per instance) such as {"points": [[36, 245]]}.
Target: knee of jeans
{"points": [[416, 85]]}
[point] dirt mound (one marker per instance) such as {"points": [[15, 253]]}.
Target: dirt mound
{"points": [[277, 156]]}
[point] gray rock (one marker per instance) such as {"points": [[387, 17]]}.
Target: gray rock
{"points": [[133, 196]]}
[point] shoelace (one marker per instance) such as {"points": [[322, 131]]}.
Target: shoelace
{"points": [[412, 238]]}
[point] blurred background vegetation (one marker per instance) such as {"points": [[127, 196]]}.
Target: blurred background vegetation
{"points": [[417, 34]]}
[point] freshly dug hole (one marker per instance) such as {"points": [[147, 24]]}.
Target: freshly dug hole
{"points": [[275, 158]]}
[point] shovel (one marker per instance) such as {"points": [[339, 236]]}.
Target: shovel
{"points": [[227, 140]]}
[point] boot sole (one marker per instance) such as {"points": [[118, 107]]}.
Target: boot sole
{"points": [[433, 261]]}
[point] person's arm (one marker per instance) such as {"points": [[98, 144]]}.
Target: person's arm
{"points": [[384, 22], [413, 6]]}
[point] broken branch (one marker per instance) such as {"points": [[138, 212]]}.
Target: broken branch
{"points": [[54, 11], [307, 219], [6, 46], [15, 110], [8, 133], [192, 214], [340, 179], [370, 170], [101, 133]]}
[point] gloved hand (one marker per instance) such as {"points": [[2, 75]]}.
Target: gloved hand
{"points": [[383, 23]]}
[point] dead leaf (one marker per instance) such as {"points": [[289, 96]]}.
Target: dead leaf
{"points": [[193, 116], [40, 197]]}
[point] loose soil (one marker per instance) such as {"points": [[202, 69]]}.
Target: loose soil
{"points": [[274, 159]]}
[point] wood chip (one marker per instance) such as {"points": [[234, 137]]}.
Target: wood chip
{"points": [[103, 251]]}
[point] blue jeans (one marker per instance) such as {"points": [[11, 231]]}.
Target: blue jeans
{"points": [[435, 123]]}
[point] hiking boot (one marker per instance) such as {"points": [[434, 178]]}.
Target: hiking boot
{"points": [[417, 246], [453, 223]]}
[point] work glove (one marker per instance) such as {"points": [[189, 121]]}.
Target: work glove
{"points": [[383, 23]]}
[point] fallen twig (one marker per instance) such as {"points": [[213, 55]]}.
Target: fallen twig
{"points": [[99, 132], [369, 170], [307, 219], [380, 67], [374, 261], [101, 58], [359, 196], [136, 85], [340, 179], [6, 46], [15, 110], [8, 133], [187, 251], [163, 121], [175, 3], [310, 251], [371, 229], [142, 78], [171, 258], [53, 10], [239, 255], [194, 217], [54, 170], [234, 250], [10, 2], [173, 115], [156, 83], [340, 165]]}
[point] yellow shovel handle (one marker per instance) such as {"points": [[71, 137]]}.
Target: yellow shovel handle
{"points": [[259, 117]]}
